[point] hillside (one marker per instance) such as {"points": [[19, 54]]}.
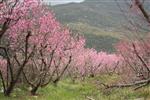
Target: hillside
{"points": [[101, 20]]}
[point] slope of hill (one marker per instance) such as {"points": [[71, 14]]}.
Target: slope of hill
{"points": [[96, 19]]}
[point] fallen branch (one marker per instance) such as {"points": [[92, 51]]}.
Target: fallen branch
{"points": [[139, 84], [89, 98]]}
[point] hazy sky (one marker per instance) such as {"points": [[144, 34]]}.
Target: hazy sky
{"points": [[54, 2]]}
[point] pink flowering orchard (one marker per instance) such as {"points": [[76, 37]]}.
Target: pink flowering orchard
{"points": [[136, 57], [24, 31], [14, 10], [36, 49], [89, 62], [30, 38], [52, 59]]}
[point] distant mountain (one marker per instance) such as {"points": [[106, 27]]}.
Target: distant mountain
{"points": [[97, 13], [99, 20]]}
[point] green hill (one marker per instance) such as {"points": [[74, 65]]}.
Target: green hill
{"points": [[100, 21]]}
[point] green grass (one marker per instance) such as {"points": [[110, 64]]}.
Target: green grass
{"points": [[66, 90]]}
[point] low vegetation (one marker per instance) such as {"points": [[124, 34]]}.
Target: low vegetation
{"points": [[81, 90]]}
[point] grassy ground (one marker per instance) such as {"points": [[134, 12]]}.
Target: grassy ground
{"points": [[87, 90]]}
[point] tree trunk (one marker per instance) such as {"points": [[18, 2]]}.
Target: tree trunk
{"points": [[9, 89], [56, 82], [34, 90], [92, 75]]}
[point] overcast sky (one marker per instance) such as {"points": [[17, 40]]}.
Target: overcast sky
{"points": [[54, 2]]}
